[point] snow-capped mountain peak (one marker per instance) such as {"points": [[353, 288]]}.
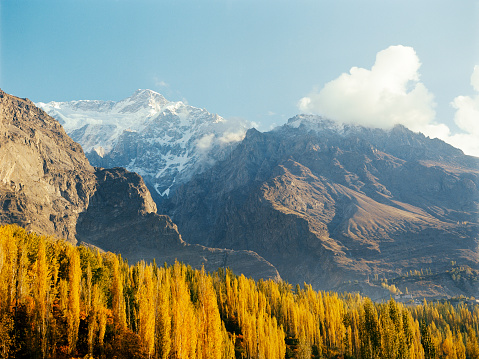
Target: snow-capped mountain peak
{"points": [[148, 100], [315, 123], [164, 141]]}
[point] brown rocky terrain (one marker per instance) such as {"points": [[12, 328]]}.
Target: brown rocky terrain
{"points": [[329, 205], [48, 186], [46, 181]]}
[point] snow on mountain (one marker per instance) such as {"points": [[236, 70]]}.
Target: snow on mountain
{"points": [[398, 141], [92, 117], [165, 142], [324, 126]]}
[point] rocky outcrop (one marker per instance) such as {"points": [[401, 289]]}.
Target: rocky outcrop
{"points": [[48, 186], [328, 204], [121, 217], [46, 180]]}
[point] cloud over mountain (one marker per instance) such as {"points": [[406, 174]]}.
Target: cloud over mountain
{"points": [[467, 119], [389, 93]]}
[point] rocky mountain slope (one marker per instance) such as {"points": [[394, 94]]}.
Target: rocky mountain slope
{"points": [[48, 186], [325, 203], [329, 204], [46, 181], [165, 142]]}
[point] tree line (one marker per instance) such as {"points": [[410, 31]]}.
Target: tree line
{"points": [[62, 301]]}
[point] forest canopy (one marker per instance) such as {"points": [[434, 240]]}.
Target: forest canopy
{"points": [[62, 301]]}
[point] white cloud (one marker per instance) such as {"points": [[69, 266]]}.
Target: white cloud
{"points": [[388, 94], [475, 78], [467, 119], [224, 131], [233, 129], [160, 83], [229, 137], [205, 142]]}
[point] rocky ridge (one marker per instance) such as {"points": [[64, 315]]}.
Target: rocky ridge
{"points": [[48, 186], [328, 203]]}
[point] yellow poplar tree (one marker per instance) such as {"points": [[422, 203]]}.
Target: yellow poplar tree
{"points": [[163, 314], [74, 280], [41, 286], [210, 331], [184, 319], [472, 344], [8, 267], [118, 301], [146, 308]]}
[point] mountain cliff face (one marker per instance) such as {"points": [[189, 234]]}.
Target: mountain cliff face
{"points": [[165, 142], [48, 186], [328, 203], [46, 181]]}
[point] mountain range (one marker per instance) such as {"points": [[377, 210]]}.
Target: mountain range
{"points": [[329, 204], [48, 186], [342, 207]]}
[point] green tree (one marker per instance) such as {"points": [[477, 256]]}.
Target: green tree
{"points": [[426, 341]]}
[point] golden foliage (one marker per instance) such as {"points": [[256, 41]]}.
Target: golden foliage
{"points": [[58, 301]]}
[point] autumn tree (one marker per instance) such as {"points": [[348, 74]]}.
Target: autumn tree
{"points": [[472, 345], [73, 310], [163, 314], [41, 286], [183, 331], [46, 286], [210, 330], [146, 299], [118, 300]]}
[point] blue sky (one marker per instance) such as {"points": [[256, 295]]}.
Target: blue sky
{"points": [[250, 59]]}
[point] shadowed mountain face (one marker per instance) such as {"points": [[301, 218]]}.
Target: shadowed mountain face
{"points": [[48, 186], [328, 203]]}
